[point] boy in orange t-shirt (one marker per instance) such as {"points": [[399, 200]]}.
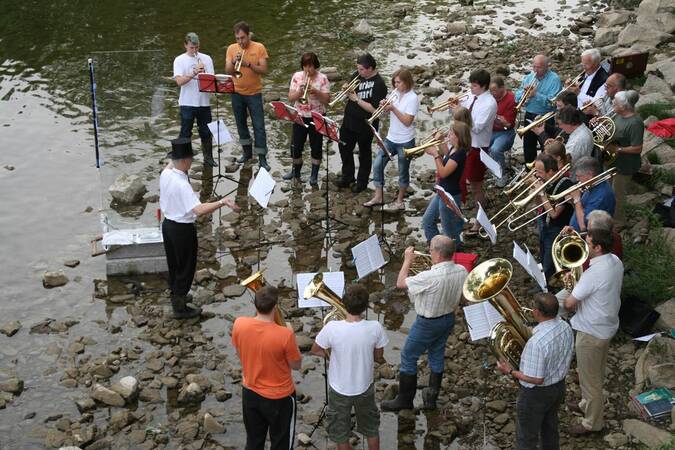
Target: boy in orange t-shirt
{"points": [[247, 98], [267, 353]]}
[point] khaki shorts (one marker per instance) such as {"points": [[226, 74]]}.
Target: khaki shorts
{"points": [[339, 415]]}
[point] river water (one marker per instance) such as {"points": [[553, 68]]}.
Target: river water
{"points": [[51, 191]]}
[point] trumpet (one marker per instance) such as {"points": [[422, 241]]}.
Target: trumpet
{"points": [[429, 141], [421, 263], [596, 103], [556, 200], [527, 93], [351, 86], [451, 102], [569, 254], [506, 214], [257, 281], [541, 119], [237, 67], [317, 288], [391, 98], [305, 98], [576, 81]]}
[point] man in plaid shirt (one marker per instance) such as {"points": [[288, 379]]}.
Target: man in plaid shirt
{"points": [[544, 364]]}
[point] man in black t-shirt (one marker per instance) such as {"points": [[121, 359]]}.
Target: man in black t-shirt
{"points": [[355, 130], [552, 223]]}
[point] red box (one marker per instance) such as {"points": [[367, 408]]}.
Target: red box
{"points": [[468, 260], [221, 84]]}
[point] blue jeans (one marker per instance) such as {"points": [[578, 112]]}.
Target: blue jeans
{"points": [[501, 142], [427, 335], [188, 114], [451, 223], [244, 106], [381, 161], [547, 235]]}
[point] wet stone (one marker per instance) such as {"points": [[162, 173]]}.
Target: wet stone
{"points": [[12, 385], [10, 328], [75, 348], [54, 279], [71, 263], [211, 425], [107, 396], [55, 438], [149, 395], [85, 404]]}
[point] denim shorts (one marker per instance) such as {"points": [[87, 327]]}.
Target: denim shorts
{"points": [[339, 414]]}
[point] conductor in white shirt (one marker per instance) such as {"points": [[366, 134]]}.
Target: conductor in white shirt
{"points": [[596, 300], [181, 206]]}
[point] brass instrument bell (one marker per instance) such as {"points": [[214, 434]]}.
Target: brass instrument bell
{"points": [[317, 288], [237, 67]]}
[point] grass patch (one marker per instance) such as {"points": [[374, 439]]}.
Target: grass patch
{"points": [[659, 110], [649, 266]]}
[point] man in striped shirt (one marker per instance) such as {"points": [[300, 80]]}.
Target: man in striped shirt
{"points": [[544, 364], [435, 293]]}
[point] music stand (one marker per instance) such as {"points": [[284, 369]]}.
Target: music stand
{"points": [[380, 143], [217, 84]]}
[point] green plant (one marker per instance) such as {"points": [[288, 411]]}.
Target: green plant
{"points": [[653, 158], [660, 110]]}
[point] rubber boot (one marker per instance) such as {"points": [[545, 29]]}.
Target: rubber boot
{"points": [[314, 177], [407, 385], [262, 162], [293, 173], [181, 310], [248, 154], [430, 394], [207, 151]]}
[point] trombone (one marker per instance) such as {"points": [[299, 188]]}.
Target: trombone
{"points": [[305, 98], [451, 102], [541, 119], [391, 98], [429, 141], [518, 181], [237, 67], [576, 81], [505, 215], [556, 200], [527, 93], [351, 86]]}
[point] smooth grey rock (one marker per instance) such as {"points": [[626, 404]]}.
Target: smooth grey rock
{"points": [[85, 404], [12, 385], [606, 36], [666, 68], [657, 15], [634, 34], [211, 425], [656, 85], [616, 439], [127, 189], [363, 28], [660, 350], [127, 387], [10, 328], [107, 396], [51, 279], [613, 19], [662, 375], [191, 393], [648, 434], [233, 290]]}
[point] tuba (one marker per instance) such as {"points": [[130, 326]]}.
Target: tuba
{"points": [[489, 281], [569, 254], [317, 288], [254, 283]]}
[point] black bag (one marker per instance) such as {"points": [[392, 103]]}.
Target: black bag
{"points": [[637, 317]]}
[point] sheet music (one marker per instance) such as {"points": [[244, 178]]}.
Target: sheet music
{"points": [[535, 271], [491, 164], [221, 135], [334, 280], [483, 219], [262, 187], [450, 202], [367, 256], [481, 317]]}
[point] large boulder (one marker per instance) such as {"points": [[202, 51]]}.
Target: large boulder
{"points": [[127, 189], [646, 37], [659, 351], [648, 434], [657, 15], [606, 36], [613, 19], [656, 85], [666, 321], [666, 68]]}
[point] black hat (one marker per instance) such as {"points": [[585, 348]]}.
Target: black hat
{"points": [[181, 148]]}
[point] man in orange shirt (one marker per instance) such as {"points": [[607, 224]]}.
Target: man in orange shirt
{"points": [[267, 353], [247, 98]]}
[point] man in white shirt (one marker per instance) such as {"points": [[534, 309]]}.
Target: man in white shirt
{"points": [[596, 300], [181, 206], [593, 85], [544, 364], [435, 293], [192, 103], [483, 108], [580, 138], [354, 344]]}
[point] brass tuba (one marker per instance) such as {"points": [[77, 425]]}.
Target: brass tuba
{"points": [[489, 281], [317, 288], [254, 283], [569, 254]]}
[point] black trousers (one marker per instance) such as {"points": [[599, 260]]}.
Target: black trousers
{"points": [[299, 137], [262, 415], [537, 410], [348, 141], [180, 246], [531, 141]]}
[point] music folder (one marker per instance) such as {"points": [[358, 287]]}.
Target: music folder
{"points": [[325, 126], [380, 142], [282, 111]]}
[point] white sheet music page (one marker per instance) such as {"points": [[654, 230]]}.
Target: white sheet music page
{"points": [[221, 135], [334, 280], [535, 271], [520, 256], [481, 317], [367, 256], [483, 219], [262, 187], [491, 164]]}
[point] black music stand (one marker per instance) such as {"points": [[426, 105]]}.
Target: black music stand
{"points": [[380, 143], [213, 84]]}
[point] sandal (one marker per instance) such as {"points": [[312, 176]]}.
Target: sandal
{"points": [[371, 203]]}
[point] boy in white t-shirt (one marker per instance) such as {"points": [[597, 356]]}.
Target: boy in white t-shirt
{"points": [[192, 103], [355, 344]]}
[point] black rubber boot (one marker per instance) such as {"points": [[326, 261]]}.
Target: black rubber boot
{"points": [[430, 394], [248, 154], [314, 177], [262, 162], [207, 151], [407, 385], [294, 172], [181, 310]]}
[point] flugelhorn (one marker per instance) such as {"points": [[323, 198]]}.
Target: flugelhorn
{"points": [[391, 98], [527, 93], [538, 121], [237, 65], [351, 86], [254, 283], [317, 288], [451, 102], [569, 254], [507, 213], [489, 281], [429, 141], [304, 99]]}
